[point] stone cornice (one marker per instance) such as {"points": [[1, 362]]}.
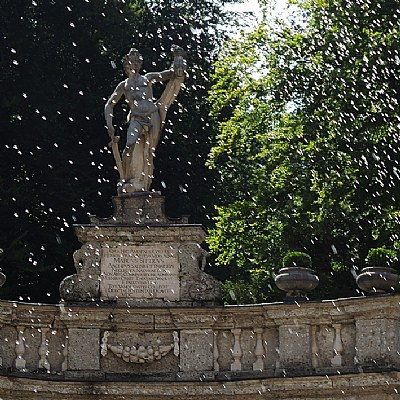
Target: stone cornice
{"points": [[140, 233], [228, 317], [357, 386]]}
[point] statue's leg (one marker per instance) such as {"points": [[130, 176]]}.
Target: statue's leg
{"points": [[132, 137]]}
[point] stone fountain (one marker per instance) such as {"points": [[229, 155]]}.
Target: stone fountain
{"points": [[139, 256]]}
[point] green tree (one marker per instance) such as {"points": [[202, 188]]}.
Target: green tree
{"points": [[60, 62], [308, 142]]}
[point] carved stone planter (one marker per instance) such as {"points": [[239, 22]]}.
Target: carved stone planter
{"points": [[296, 281], [2, 279], [378, 280]]}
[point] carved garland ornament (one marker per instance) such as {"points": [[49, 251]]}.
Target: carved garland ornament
{"points": [[140, 354]]}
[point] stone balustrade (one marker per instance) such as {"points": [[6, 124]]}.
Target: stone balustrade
{"points": [[218, 343]]}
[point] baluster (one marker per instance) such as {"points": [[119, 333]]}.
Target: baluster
{"points": [[314, 347], [1, 357], [64, 365], [237, 351], [216, 352], [259, 350], [104, 341], [20, 362], [336, 360], [176, 343], [43, 351]]}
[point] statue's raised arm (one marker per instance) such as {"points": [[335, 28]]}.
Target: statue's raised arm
{"points": [[146, 117]]}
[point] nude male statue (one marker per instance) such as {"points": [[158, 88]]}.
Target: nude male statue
{"points": [[146, 117]]}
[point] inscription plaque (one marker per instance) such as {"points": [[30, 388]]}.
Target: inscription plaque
{"points": [[140, 272]]}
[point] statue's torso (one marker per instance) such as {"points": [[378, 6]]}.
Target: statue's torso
{"points": [[139, 93]]}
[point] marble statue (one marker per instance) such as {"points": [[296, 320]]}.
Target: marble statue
{"points": [[146, 117]]}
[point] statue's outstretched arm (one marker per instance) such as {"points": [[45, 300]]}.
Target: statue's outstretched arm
{"points": [[177, 69], [160, 76]]}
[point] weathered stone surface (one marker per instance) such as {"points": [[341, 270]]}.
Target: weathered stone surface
{"points": [[371, 386], [143, 272], [349, 343], [208, 350], [83, 349], [168, 364], [248, 344], [74, 288], [378, 341], [378, 279], [295, 353], [195, 284], [224, 341], [296, 281], [145, 208], [140, 257], [196, 350], [325, 336], [8, 338], [84, 285], [56, 352], [31, 354], [271, 345], [31, 315], [146, 117], [140, 234]]}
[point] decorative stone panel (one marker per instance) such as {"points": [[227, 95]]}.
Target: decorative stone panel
{"points": [[196, 350], [377, 342], [83, 349], [295, 347]]}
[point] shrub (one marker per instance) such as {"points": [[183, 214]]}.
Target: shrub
{"points": [[381, 257], [297, 259]]}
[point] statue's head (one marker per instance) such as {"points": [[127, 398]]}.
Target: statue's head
{"points": [[132, 62]]}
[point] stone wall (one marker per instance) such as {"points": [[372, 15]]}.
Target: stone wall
{"points": [[348, 348]]}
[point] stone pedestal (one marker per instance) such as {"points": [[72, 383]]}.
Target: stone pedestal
{"points": [[140, 257]]}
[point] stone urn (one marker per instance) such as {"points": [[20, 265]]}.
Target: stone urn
{"points": [[296, 277], [2, 279], [296, 281], [378, 276], [378, 280]]}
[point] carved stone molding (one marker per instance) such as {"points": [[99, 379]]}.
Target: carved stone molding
{"points": [[140, 354]]}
